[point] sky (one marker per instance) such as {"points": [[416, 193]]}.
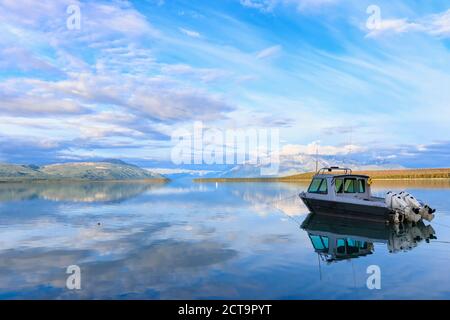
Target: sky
{"points": [[370, 78]]}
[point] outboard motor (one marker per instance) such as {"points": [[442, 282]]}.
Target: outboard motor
{"points": [[398, 216], [395, 202], [423, 210], [427, 213], [410, 201]]}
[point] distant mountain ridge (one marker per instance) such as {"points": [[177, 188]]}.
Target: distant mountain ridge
{"points": [[107, 170], [302, 163]]}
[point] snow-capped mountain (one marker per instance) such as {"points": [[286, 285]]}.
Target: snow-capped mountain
{"points": [[179, 174], [299, 163]]}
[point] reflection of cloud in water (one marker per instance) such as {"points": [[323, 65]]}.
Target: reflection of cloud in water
{"points": [[30, 270], [273, 238], [274, 196], [160, 265], [179, 190], [52, 235], [74, 191], [292, 206], [147, 268], [224, 243]]}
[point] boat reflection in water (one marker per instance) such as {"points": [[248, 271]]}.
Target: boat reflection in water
{"points": [[339, 238]]}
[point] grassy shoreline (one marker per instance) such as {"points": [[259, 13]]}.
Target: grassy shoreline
{"points": [[380, 175]]}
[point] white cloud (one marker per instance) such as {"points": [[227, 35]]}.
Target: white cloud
{"points": [[301, 5], [269, 52], [388, 157], [203, 74], [34, 104], [155, 98], [38, 11], [15, 57], [324, 150], [304, 5], [20, 97], [440, 24], [190, 33], [114, 19], [435, 24], [422, 147], [263, 5], [396, 26], [110, 64], [177, 104], [180, 171], [144, 100]]}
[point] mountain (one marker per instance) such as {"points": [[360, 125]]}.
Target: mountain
{"points": [[108, 170], [20, 172], [301, 163], [184, 174]]}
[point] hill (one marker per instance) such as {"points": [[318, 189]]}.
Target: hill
{"points": [[108, 170]]}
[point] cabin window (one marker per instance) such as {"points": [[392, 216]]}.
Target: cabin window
{"points": [[349, 185], [349, 246], [352, 246], [315, 185], [361, 186], [363, 245], [318, 186], [325, 242], [319, 243], [340, 246], [323, 187], [339, 185]]}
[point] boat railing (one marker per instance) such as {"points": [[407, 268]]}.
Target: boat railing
{"points": [[331, 169]]}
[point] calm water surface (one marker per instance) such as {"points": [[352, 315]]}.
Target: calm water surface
{"points": [[193, 241]]}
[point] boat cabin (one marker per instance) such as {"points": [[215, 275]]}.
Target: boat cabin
{"points": [[335, 183], [334, 248]]}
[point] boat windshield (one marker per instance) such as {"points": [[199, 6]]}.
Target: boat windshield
{"points": [[318, 185], [339, 184], [320, 243]]}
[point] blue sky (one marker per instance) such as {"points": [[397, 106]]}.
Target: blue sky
{"points": [[138, 70]]}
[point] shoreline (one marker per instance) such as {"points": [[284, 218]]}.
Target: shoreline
{"points": [[85, 181], [382, 175], [275, 180]]}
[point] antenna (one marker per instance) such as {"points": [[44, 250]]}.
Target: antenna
{"points": [[350, 145], [354, 277], [320, 268], [317, 157]]}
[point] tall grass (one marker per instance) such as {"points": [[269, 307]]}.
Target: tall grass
{"points": [[404, 174]]}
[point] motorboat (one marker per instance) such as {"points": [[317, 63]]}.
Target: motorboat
{"points": [[337, 191]]}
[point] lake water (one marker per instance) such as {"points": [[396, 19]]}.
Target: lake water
{"points": [[184, 240]]}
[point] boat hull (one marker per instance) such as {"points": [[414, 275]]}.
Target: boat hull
{"points": [[348, 210]]}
